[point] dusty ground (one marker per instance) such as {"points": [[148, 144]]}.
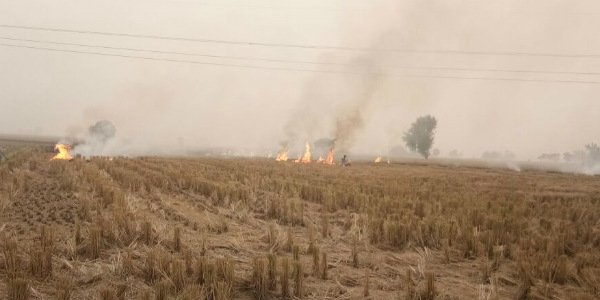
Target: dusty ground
{"points": [[480, 233]]}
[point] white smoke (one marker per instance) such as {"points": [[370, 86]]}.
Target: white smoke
{"points": [[97, 140], [584, 169], [512, 165]]}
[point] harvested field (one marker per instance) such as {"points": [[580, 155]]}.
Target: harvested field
{"points": [[211, 228]]}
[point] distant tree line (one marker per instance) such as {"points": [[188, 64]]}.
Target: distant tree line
{"points": [[589, 156], [455, 154], [497, 155], [549, 157]]}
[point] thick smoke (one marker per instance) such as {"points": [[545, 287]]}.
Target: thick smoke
{"points": [[97, 140], [305, 119], [102, 131], [353, 98], [324, 143], [175, 108], [349, 109], [351, 118]]}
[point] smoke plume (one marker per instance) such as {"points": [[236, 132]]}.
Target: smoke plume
{"points": [[97, 139], [324, 143], [427, 49]]}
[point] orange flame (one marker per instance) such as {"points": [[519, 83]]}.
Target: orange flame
{"points": [[63, 152], [306, 158], [328, 160], [378, 159], [282, 156]]}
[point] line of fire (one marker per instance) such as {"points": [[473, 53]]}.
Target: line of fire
{"points": [[63, 152]]}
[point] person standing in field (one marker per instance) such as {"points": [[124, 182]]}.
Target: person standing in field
{"points": [[344, 161]]}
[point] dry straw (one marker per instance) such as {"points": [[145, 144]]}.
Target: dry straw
{"points": [[324, 266], [298, 275], [316, 261], [367, 282], [354, 252], [272, 272], [259, 278], [64, 289], [18, 288], [177, 239], [289, 240], [285, 277], [311, 239]]}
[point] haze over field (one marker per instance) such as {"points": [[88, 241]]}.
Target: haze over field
{"points": [[159, 106]]}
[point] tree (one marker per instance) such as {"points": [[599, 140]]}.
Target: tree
{"points": [[497, 155], [420, 136], [549, 157], [554, 157], [579, 156], [593, 153], [491, 155], [455, 154]]}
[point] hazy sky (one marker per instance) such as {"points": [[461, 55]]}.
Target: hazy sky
{"points": [[157, 103]]}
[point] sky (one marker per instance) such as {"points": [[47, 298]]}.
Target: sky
{"points": [[356, 81]]}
